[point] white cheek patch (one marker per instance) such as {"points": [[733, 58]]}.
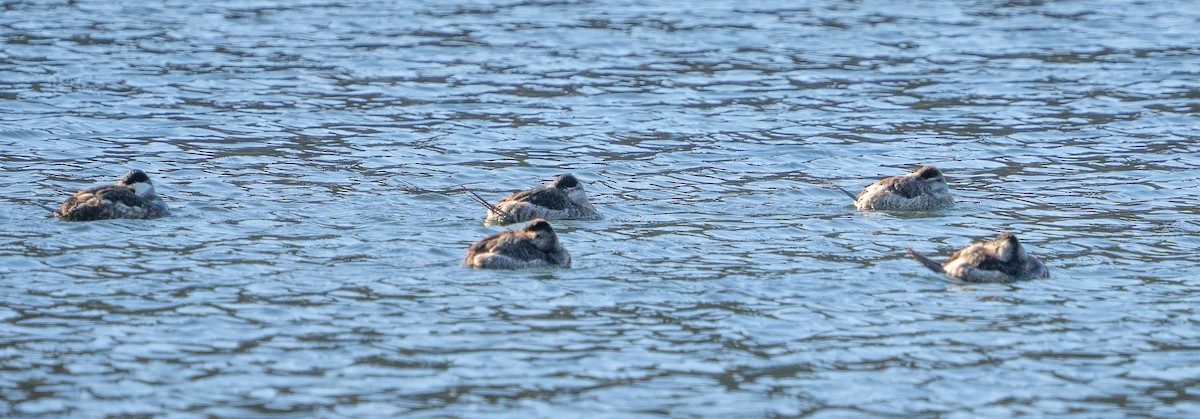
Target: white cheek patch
{"points": [[576, 194], [141, 188]]}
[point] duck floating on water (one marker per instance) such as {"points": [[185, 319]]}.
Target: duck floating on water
{"points": [[924, 189], [131, 197], [561, 199], [1001, 260], [533, 246]]}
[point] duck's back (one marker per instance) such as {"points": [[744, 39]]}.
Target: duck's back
{"points": [[509, 250], [108, 202], [549, 198]]}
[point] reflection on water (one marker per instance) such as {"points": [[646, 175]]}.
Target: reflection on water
{"points": [[312, 153]]}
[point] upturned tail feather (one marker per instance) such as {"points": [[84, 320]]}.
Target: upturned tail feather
{"points": [[853, 197], [929, 263], [829, 183], [491, 208]]}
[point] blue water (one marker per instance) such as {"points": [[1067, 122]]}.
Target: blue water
{"points": [[312, 154]]}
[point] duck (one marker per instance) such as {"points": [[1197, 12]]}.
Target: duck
{"points": [[563, 198], [1001, 260], [131, 197], [924, 189], [535, 245]]}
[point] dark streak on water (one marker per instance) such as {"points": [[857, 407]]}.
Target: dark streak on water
{"points": [[312, 150]]}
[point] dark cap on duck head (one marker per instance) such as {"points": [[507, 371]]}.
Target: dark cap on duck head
{"points": [[928, 172], [134, 176], [565, 181], [539, 225]]}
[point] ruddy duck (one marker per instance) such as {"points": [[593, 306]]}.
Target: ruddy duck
{"points": [[922, 190], [561, 199], [132, 197], [533, 246], [1001, 260]]}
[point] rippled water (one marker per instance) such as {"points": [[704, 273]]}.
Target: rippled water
{"points": [[312, 151]]}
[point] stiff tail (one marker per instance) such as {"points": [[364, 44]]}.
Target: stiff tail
{"points": [[829, 183], [491, 208], [52, 210], [853, 197], [929, 263]]}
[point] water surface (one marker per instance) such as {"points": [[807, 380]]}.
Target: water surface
{"points": [[312, 152]]}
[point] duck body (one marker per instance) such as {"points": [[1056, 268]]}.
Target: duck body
{"points": [[534, 245], [561, 199], [924, 189], [132, 197], [1001, 260]]}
